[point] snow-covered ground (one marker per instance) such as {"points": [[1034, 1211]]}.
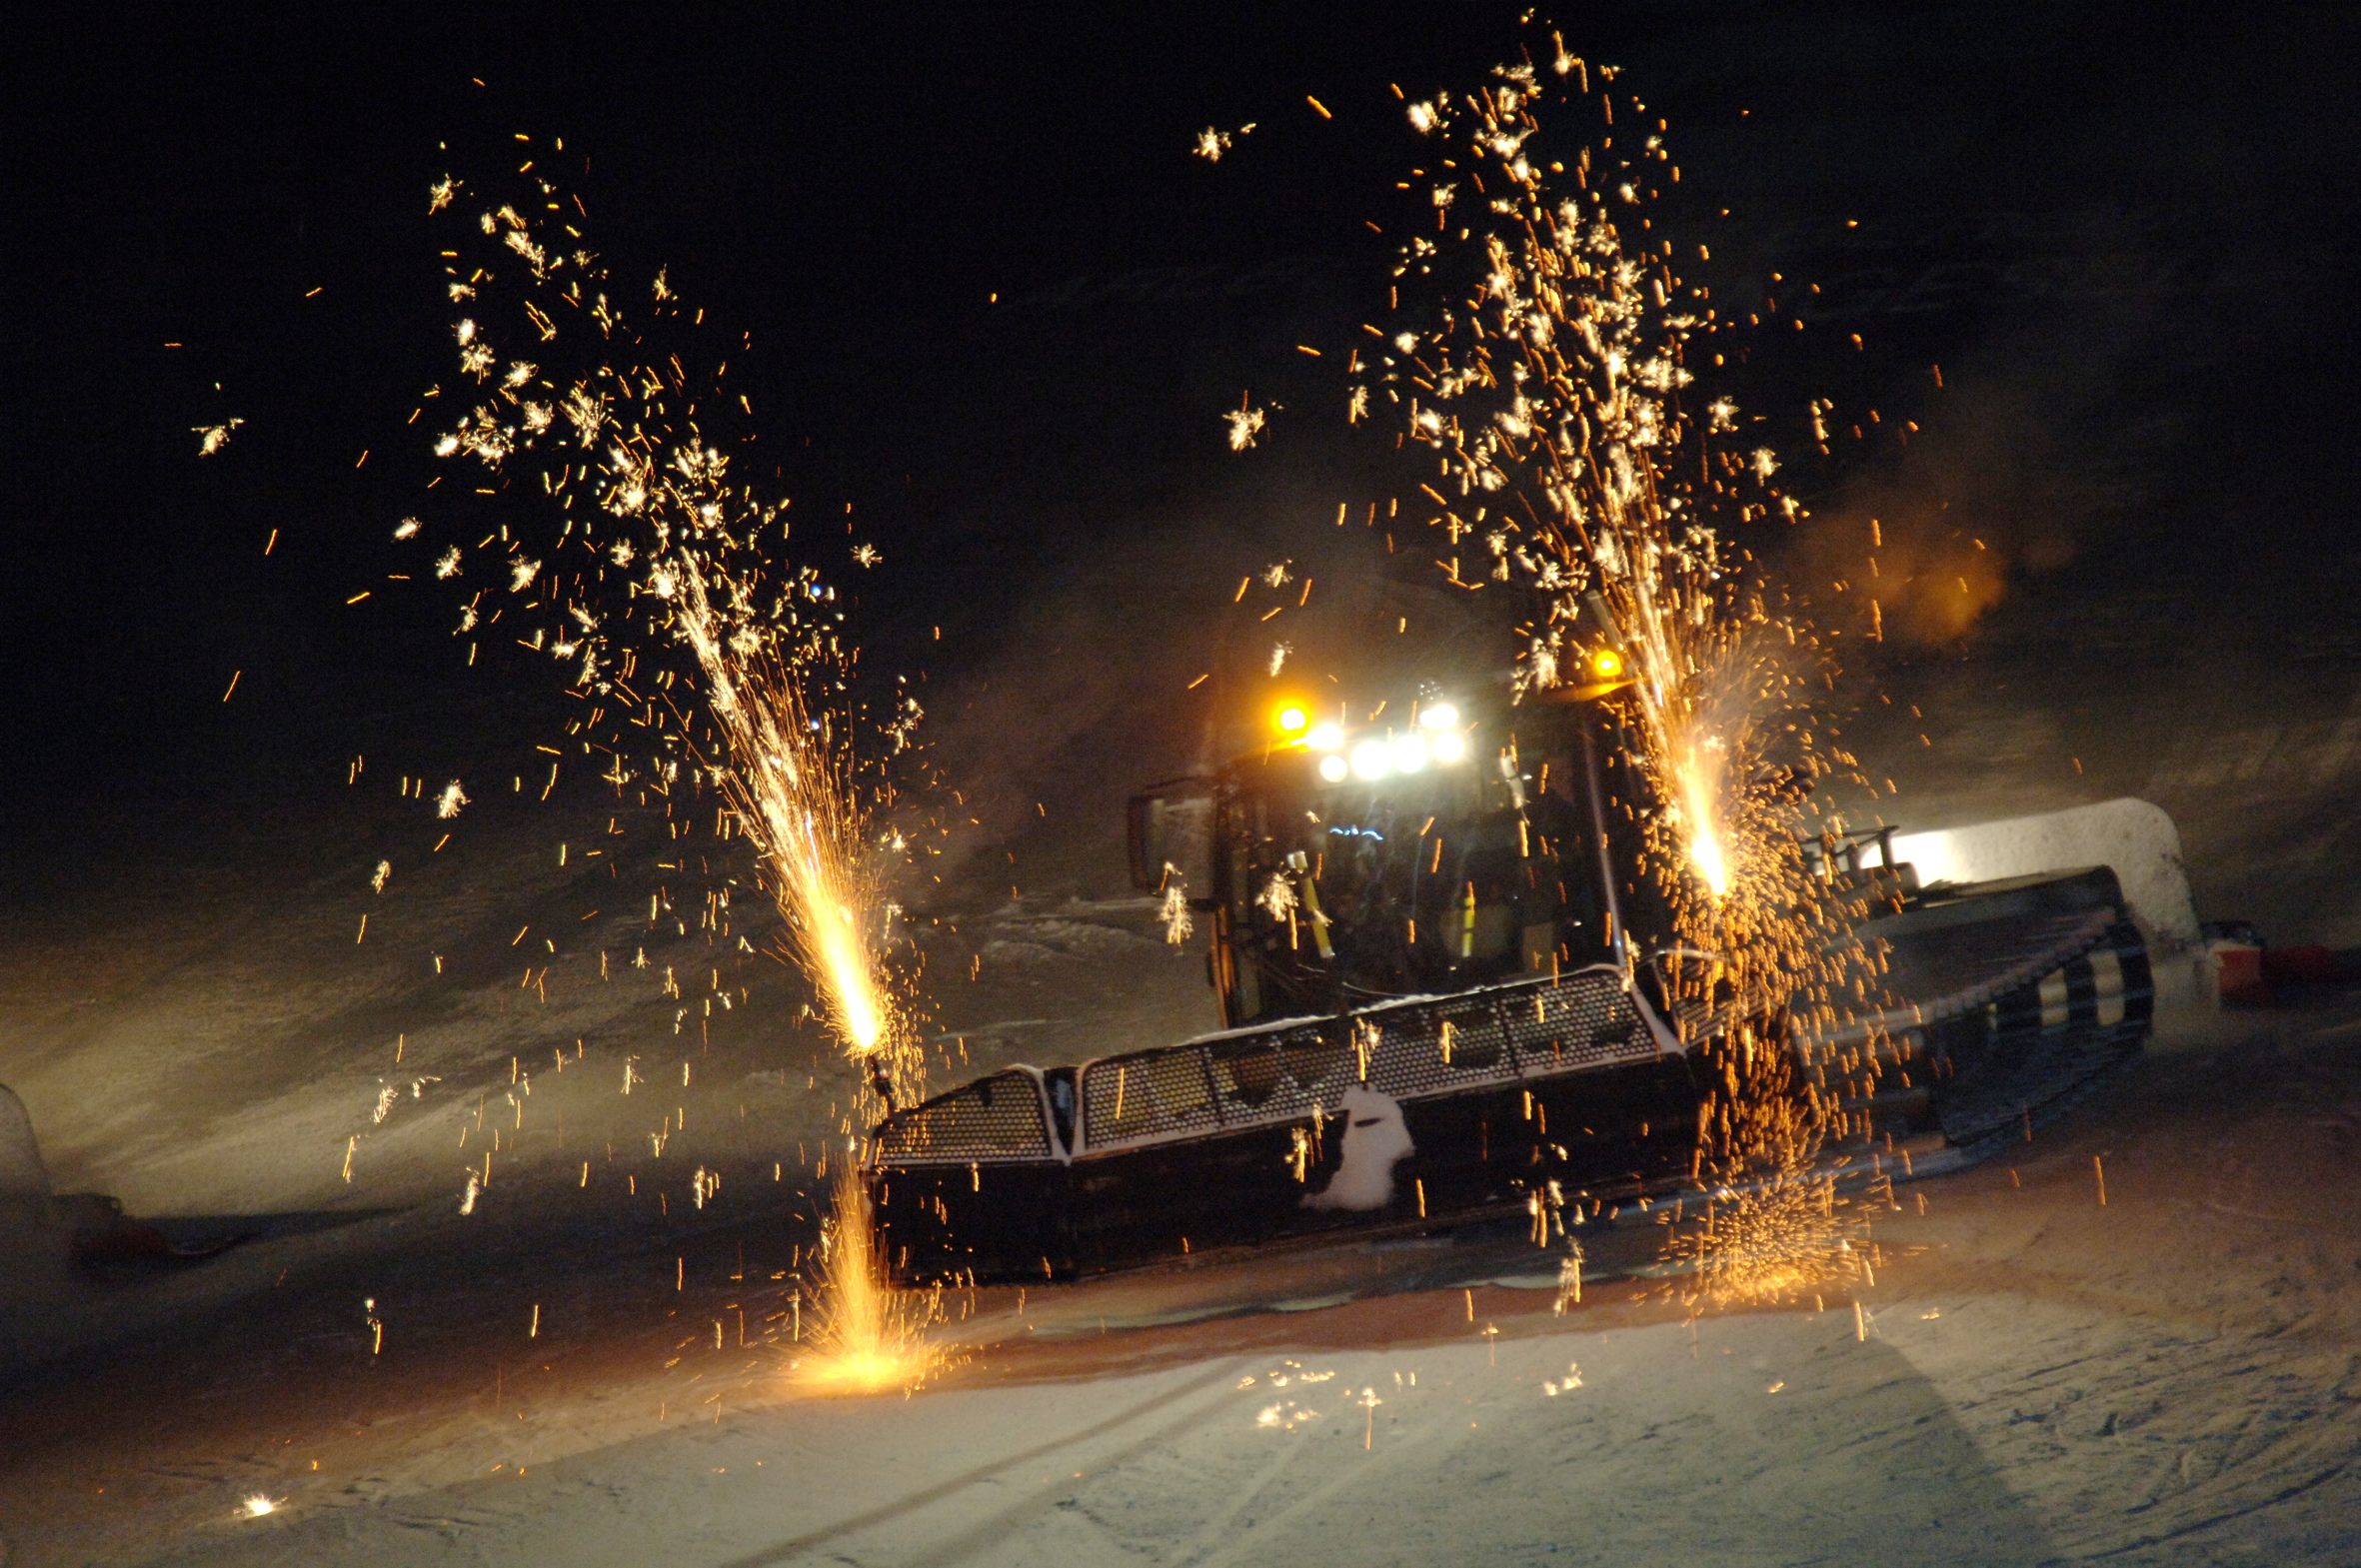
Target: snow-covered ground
{"points": [[590, 1367]]}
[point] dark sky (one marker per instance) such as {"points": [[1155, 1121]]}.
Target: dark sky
{"points": [[2128, 234]]}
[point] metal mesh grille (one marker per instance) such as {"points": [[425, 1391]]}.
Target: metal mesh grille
{"points": [[1586, 1021], [1151, 1093], [993, 1119], [1435, 1045], [1278, 1076]]}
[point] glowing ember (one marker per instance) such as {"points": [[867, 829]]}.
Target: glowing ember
{"points": [[869, 1337], [256, 1504]]}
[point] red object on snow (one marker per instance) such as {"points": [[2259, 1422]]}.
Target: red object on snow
{"points": [[2238, 969]]}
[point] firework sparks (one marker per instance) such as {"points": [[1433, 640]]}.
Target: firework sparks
{"points": [[1551, 384], [664, 589], [671, 603], [1556, 379], [868, 1337], [1244, 425], [791, 790], [1278, 896], [1775, 1224], [1179, 923], [1212, 143]]}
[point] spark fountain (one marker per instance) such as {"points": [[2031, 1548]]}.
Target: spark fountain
{"points": [[798, 799], [704, 653], [1549, 373], [672, 557], [867, 1337]]}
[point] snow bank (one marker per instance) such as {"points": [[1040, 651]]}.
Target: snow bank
{"points": [[32, 1246], [24, 1180]]}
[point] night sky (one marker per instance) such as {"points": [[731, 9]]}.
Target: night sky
{"points": [[2126, 233]]}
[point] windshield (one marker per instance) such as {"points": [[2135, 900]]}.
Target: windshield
{"points": [[1335, 895]]}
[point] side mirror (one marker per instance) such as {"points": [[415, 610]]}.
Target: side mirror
{"points": [[1172, 823]]}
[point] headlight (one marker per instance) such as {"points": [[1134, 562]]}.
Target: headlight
{"points": [[1334, 768], [1291, 719], [1407, 752], [1325, 737], [1442, 715], [1369, 760], [1450, 747]]}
